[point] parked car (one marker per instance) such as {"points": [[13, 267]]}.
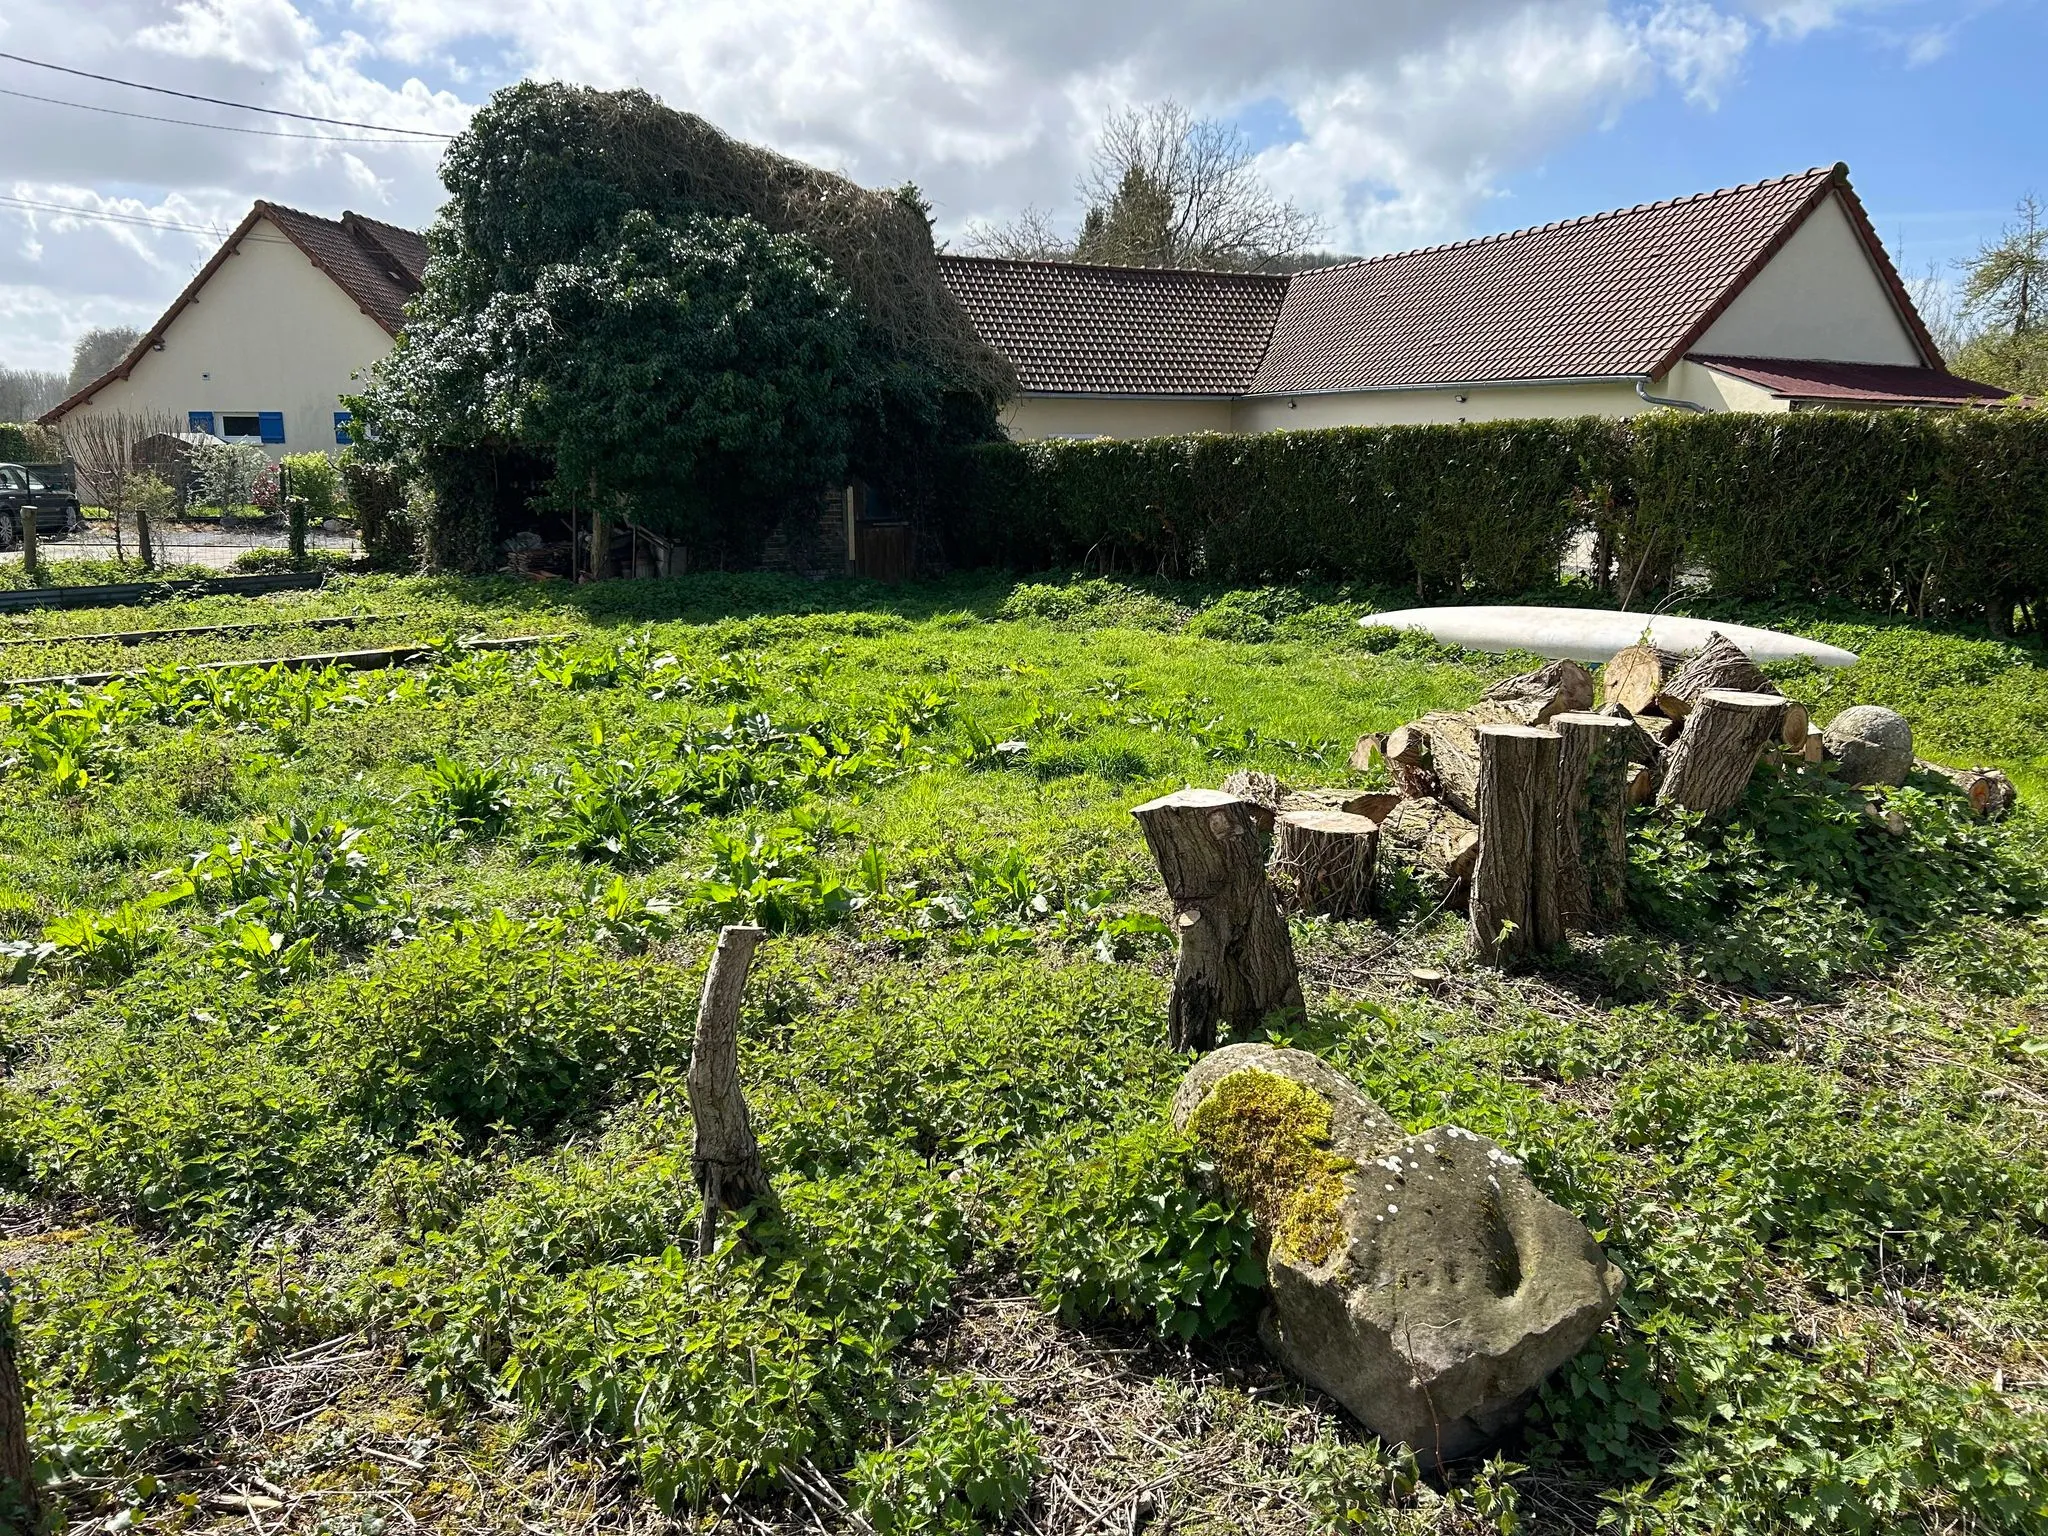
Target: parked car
{"points": [[49, 489]]}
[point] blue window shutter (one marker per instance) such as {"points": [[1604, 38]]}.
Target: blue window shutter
{"points": [[341, 421], [199, 421], [271, 425]]}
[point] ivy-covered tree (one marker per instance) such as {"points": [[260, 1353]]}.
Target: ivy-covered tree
{"points": [[657, 320]]}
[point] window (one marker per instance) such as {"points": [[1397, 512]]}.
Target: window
{"points": [[252, 426], [12, 479]]}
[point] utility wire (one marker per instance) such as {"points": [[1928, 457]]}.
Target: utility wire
{"points": [[106, 217], [218, 101], [186, 122]]}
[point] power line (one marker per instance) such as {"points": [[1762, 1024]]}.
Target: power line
{"points": [[186, 122], [105, 217], [218, 101]]}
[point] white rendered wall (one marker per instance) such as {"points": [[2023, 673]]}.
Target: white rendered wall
{"points": [[1410, 407], [268, 331], [1039, 416], [1819, 298]]}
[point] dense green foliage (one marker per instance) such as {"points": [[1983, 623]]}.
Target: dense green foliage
{"points": [[355, 1007], [627, 306], [1890, 510]]}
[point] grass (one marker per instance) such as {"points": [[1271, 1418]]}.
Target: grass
{"points": [[344, 1148]]}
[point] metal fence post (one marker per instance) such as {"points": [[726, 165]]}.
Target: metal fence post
{"points": [[295, 516]]}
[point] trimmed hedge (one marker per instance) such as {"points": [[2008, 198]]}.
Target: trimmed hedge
{"points": [[1931, 513]]}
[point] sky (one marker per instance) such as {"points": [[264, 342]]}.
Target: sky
{"points": [[1397, 122]]}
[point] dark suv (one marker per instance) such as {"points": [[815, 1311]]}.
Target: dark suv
{"points": [[48, 489]]}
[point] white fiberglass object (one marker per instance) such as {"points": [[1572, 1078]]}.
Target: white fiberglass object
{"points": [[1595, 634]]}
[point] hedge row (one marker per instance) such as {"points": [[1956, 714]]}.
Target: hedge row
{"points": [[1888, 509]]}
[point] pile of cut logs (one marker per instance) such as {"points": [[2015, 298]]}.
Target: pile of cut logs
{"points": [[1515, 810]]}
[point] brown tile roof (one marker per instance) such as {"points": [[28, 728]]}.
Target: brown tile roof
{"points": [[1854, 383], [376, 264], [1074, 329], [1614, 295], [1617, 294]]}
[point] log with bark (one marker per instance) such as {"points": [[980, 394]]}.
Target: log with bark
{"points": [[1259, 788], [1643, 747], [1720, 664], [1532, 698], [1635, 676], [1322, 862], [1724, 738], [1592, 817], [1991, 793], [1236, 963], [1364, 750], [1642, 784], [1407, 754], [1454, 758], [1792, 730], [1514, 884], [18, 1495], [1373, 804], [1427, 837], [724, 1157]]}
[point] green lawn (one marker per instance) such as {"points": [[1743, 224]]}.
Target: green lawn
{"points": [[344, 1156]]}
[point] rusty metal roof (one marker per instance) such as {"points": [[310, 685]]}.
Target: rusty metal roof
{"points": [[1069, 328]]}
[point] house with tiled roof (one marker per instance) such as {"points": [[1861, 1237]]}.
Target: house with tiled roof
{"points": [[1773, 296], [285, 318]]}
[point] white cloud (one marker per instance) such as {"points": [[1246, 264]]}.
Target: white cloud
{"points": [[1413, 112]]}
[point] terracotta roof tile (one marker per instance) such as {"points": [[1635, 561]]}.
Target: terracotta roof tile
{"points": [[1074, 329], [1614, 294], [1854, 383], [378, 265]]}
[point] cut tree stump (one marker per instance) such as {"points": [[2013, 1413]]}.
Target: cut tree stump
{"points": [[17, 1467], [1721, 664], [1373, 804], [1793, 728], [1260, 788], [1724, 737], [1533, 698], [724, 1157], [1322, 862], [1592, 817], [1426, 836], [1236, 961], [1635, 676], [1514, 884]]}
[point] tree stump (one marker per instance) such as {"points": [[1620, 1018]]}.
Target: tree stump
{"points": [[1592, 817], [1236, 962], [17, 1468], [1720, 664], [1428, 837], [1793, 728], [1260, 788], [1514, 884], [1322, 862], [724, 1157], [1635, 676], [1724, 737]]}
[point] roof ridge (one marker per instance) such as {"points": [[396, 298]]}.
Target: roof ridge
{"points": [[1054, 264], [1837, 169]]}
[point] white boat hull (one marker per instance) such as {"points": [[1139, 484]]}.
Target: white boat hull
{"points": [[1595, 634]]}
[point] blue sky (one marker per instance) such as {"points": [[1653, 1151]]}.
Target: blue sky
{"points": [[1399, 122]]}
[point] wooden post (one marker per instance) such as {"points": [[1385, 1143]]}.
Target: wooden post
{"points": [[1322, 862], [17, 1468], [1724, 736], [1236, 962], [724, 1158], [31, 553], [1514, 885], [1594, 753]]}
